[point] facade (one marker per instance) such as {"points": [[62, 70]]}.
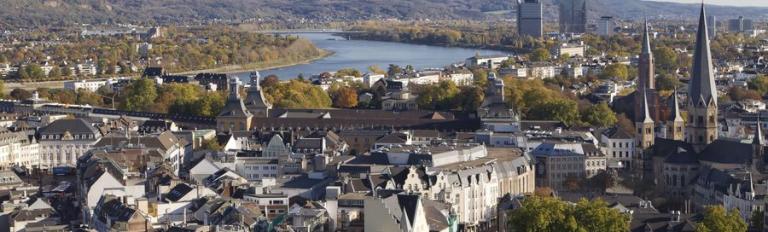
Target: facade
{"points": [[619, 147], [573, 16], [63, 141], [18, 148], [92, 85], [530, 21]]}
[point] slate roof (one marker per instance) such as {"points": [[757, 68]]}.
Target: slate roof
{"points": [[727, 152], [618, 133], [73, 126]]}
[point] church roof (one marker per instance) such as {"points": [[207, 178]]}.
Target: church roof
{"points": [[727, 152], [234, 106]]}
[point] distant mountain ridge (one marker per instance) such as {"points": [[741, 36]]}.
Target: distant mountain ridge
{"points": [[30, 13]]}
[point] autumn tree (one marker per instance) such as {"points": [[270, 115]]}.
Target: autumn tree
{"points": [[599, 115], [619, 71], [345, 97], [717, 219], [20, 94], [665, 59]]}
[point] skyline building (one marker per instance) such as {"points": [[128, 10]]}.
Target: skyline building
{"points": [[529, 18], [573, 16]]}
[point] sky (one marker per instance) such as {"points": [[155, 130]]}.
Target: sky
{"points": [[763, 3]]}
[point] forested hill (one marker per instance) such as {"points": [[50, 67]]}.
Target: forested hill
{"points": [[14, 13]]}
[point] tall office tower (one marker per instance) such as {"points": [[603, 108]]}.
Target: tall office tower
{"points": [[702, 92], [573, 16], [606, 26], [529, 18], [712, 23], [736, 25]]}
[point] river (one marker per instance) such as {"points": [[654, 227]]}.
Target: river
{"points": [[360, 54]]}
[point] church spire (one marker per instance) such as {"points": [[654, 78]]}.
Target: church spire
{"points": [[646, 72], [676, 117], [646, 39], [702, 87], [758, 139], [647, 118]]}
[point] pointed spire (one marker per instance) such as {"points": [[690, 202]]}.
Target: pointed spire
{"points": [[646, 39], [758, 139], [676, 108], [647, 118], [702, 88]]}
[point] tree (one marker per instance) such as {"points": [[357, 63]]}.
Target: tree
{"points": [[563, 110], [624, 123], [210, 145], [665, 58], [139, 95], [620, 71], [666, 82], [55, 73], [348, 72], [471, 98], [270, 81], [759, 84], [394, 70], [209, 105], [376, 69], [481, 77], [543, 214], [717, 219], [739, 94], [539, 54], [20, 94], [599, 115], [346, 97], [440, 96], [2, 89]]}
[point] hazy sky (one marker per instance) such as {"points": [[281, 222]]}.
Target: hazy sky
{"points": [[763, 3]]}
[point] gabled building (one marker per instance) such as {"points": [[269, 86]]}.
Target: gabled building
{"points": [[235, 116]]}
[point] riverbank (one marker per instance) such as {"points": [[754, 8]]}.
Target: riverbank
{"points": [[230, 69]]}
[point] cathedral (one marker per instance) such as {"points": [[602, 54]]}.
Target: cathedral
{"points": [[676, 151]]}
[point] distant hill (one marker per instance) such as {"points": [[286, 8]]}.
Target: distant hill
{"points": [[26, 13]]}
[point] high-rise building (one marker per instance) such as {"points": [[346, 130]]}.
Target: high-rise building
{"points": [[740, 25], [573, 16], [606, 26], [702, 93], [529, 18], [712, 23]]}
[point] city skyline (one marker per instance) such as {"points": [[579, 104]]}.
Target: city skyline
{"points": [[759, 3]]}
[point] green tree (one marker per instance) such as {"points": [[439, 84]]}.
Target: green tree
{"points": [[665, 58], [563, 110], [394, 70], [717, 219], [600, 115], [666, 82], [20, 94], [2, 89], [620, 71], [55, 73], [348, 72], [539, 54], [544, 214], [139, 95], [759, 84], [209, 105], [210, 145], [481, 77], [471, 98], [440, 96]]}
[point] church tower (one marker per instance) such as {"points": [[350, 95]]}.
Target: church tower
{"points": [[645, 70], [255, 101], [646, 84], [234, 116], [702, 95], [645, 128], [676, 122]]}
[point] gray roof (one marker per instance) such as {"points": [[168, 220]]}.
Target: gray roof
{"points": [[727, 152], [702, 88], [73, 126]]}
